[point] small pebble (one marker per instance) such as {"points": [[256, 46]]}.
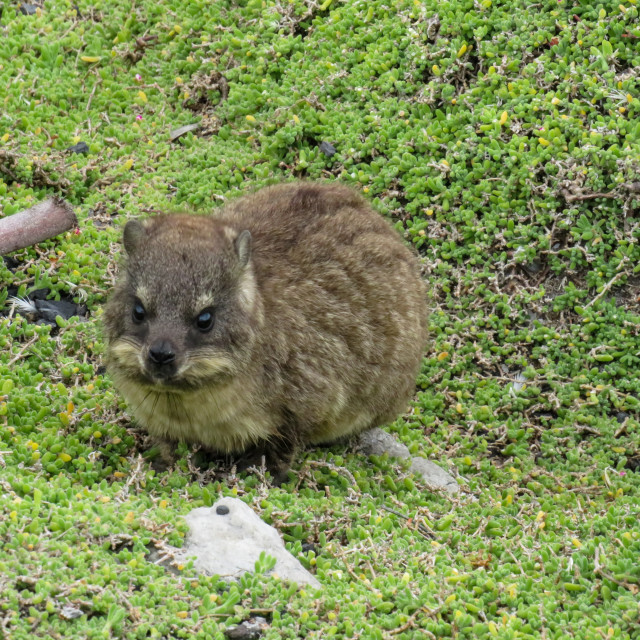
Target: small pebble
{"points": [[248, 630], [327, 148], [28, 9], [81, 147], [70, 613]]}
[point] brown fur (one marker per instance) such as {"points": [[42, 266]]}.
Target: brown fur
{"points": [[320, 322]]}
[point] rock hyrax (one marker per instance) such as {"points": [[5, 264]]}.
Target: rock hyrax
{"points": [[294, 315]]}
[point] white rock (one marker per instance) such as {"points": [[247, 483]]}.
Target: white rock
{"points": [[227, 539]]}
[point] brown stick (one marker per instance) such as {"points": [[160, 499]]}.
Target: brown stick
{"points": [[579, 197], [40, 222]]}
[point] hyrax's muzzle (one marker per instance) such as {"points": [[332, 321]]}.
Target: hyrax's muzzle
{"points": [[161, 359]]}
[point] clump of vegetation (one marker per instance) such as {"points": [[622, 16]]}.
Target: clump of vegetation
{"points": [[502, 139]]}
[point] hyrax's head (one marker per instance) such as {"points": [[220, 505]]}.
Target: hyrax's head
{"points": [[185, 313]]}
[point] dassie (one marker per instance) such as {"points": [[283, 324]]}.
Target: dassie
{"points": [[295, 315]]}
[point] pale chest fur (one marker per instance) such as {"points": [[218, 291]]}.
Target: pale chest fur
{"points": [[225, 419]]}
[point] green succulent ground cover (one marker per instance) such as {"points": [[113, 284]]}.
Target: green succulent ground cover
{"points": [[503, 139]]}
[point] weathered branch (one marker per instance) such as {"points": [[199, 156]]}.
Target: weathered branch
{"points": [[579, 197], [630, 187], [40, 222]]}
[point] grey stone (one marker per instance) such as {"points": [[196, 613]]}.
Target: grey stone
{"points": [[28, 9], [227, 540], [434, 475], [327, 148], [377, 442], [70, 613], [248, 630], [81, 147]]}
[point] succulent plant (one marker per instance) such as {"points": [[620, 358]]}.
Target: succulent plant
{"points": [[502, 140]]}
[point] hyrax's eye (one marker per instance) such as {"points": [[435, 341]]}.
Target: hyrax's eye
{"points": [[204, 321], [138, 314]]}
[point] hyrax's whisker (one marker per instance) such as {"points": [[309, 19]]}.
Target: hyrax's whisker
{"points": [[155, 402], [188, 415], [142, 401], [212, 397]]}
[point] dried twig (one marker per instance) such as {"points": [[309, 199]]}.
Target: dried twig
{"points": [[419, 526], [411, 622], [611, 282], [333, 467], [22, 351], [579, 197]]}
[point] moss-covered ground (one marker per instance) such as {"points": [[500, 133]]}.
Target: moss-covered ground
{"points": [[502, 137]]}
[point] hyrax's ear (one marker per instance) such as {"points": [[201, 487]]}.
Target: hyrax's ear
{"points": [[243, 247], [133, 232]]}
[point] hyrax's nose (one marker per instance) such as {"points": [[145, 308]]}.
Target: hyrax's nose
{"points": [[161, 352]]}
